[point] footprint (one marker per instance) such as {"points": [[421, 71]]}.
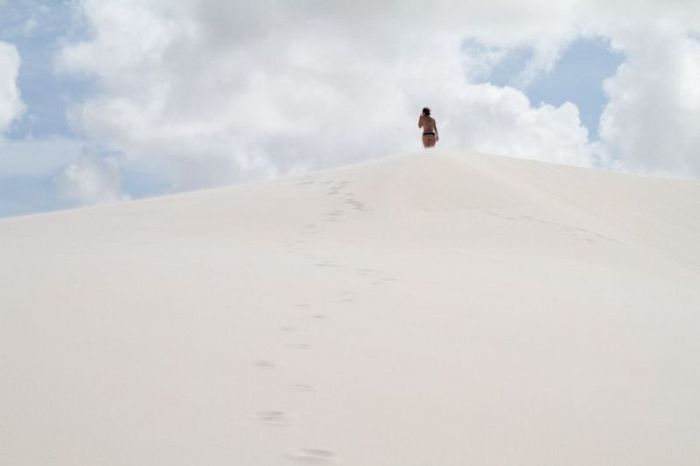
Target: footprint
{"points": [[276, 418], [265, 363], [326, 264], [299, 345], [334, 216], [347, 300], [319, 316], [312, 456], [288, 328], [357, 205], [606, 238], [300, 387]]}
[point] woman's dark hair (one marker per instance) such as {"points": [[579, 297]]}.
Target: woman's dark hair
{"points": [[426, 111]]}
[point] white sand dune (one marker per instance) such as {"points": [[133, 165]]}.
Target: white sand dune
{"points": [[442, 309]]}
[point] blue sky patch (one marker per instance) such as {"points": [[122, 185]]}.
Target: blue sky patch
{"points": [[577, 76], [38, 30]]}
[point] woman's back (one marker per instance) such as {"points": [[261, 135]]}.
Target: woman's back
{"points": [[430, 131], [427, 123]]}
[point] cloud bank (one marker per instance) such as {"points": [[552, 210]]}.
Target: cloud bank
{"points": [[11, 105], [651, 121], [91, 179], [211, 92]]}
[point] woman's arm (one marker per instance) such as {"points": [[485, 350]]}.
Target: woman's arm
{"points": [[420, 121], [437, 137]]}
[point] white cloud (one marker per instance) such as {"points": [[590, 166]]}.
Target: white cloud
{"points": [[90, 180], [11, 106], [652, 119], [216, 91], [501, 121]]}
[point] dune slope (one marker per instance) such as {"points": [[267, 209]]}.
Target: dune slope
{"points": [[442, 309]]}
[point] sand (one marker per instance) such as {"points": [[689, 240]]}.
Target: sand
{"points": [[442, 308]]}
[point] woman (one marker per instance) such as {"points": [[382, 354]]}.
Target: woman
{"points": [[430, 131]]}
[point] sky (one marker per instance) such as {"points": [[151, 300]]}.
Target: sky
{"points": [[110, 100]]}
